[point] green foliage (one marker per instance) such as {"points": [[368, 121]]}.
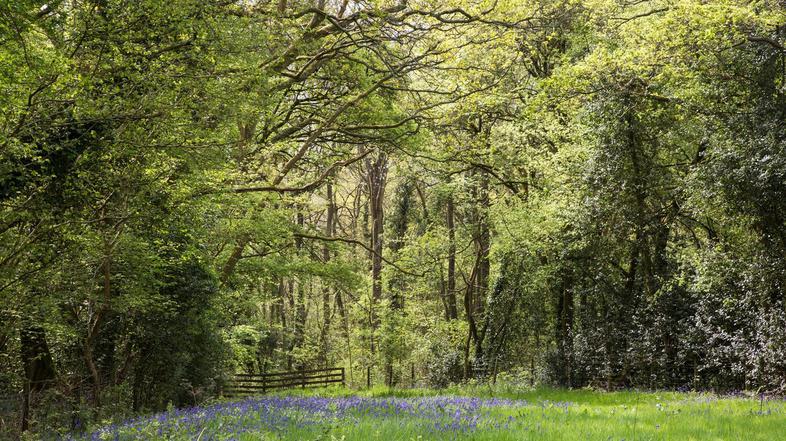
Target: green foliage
{"points": [[581, 193]]}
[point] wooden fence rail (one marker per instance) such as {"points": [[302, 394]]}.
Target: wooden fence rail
{"points": [[253, 384]]}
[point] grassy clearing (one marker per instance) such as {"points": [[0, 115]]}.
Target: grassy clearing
{"points": [[467, 413]]}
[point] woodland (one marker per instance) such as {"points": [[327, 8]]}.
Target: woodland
{"points": [[573, 193]]}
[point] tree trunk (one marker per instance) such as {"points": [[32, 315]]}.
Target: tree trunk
{"points": [[39, 368], [451, 282], [237, 252], [345, 319], [327, 311], [300, 302], [397, 284], [94, 327], [246, 133], [482, 241], [565, 332], [376, 180]]}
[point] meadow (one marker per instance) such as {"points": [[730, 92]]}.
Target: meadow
{"points": [[463, 413]]}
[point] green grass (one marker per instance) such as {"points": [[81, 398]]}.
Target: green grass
{"points": [[591, 415], [597, 415]]}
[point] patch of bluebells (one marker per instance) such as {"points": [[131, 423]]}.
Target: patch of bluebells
{"points": [[443, 414]]}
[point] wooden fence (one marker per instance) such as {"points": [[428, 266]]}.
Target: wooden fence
{"points": [[252, 384]]}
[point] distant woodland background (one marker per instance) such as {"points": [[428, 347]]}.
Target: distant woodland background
{"points": [[425, 192]]}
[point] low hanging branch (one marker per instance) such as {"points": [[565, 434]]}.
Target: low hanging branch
{"points": [[308, 187], [307, 144], [357, 242]]}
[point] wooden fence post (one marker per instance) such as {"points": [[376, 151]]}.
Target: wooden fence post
{"points": [[245, 384]]}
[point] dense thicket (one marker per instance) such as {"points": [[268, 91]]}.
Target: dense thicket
{"points": [[424, 192]]}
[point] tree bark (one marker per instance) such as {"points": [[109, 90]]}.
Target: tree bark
{"points": [[376, 180], [482, 241], [38, 366], [565, 331], [94, 327], [300, 302], [451, 282], [246, 133], [327, 311]]}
